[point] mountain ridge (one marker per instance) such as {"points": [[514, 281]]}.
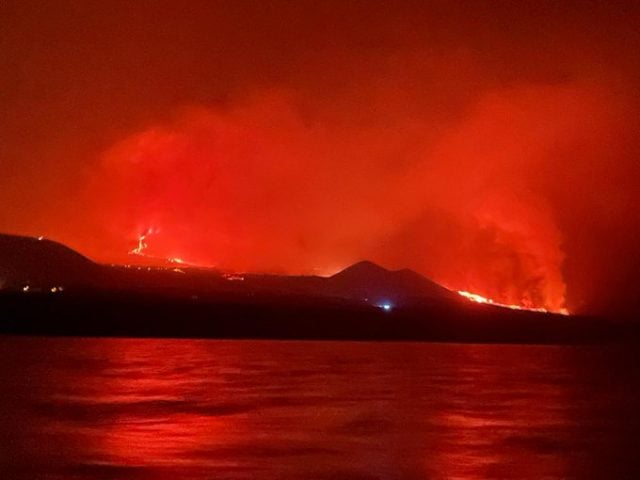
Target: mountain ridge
{"points": [[42, 263]]}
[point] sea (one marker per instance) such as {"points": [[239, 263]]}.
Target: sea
{"points": [[120, 409]]}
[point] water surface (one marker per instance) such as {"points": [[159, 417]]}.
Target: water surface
{"points": [[184, 409]]}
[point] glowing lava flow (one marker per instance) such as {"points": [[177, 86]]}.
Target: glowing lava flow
{"points": [[142, 244], [474, 297], [139, 250]]}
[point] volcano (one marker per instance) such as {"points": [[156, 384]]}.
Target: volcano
{"points": [[367, 280]]}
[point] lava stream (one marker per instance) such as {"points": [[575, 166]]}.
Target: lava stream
{"points": [[474, 297], [139, 250]]}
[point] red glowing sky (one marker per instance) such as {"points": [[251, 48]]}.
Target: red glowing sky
{"points": [[491, 147]]}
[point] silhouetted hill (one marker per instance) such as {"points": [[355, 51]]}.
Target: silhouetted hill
{"points": [[367, 280], [42, 263], [363, 282], [178, 302]]}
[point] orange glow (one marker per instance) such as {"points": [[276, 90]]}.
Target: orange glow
{"points": [[491, 147], [257, 188], [142, 244], [474, 297], [141, 250]]}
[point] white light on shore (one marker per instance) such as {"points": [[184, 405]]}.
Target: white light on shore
{"points": [[386, 306]]}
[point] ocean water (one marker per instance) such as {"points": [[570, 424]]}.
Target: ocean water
{"points": [[206, 409]]}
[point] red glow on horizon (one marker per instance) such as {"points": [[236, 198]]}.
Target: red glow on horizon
{"points": [[490, 146], [142, 246], [258, 190]]}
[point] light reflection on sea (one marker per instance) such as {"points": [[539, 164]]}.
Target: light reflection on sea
{"points": [[187, 409]]}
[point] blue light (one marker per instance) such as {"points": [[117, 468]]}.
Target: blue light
{"points": [[386, 306]]}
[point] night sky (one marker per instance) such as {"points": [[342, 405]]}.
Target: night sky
{"points": [[492, 146]]}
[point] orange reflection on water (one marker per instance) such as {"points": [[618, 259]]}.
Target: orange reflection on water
{"points": [[161, 409], [153, 411], [495, 423]]}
